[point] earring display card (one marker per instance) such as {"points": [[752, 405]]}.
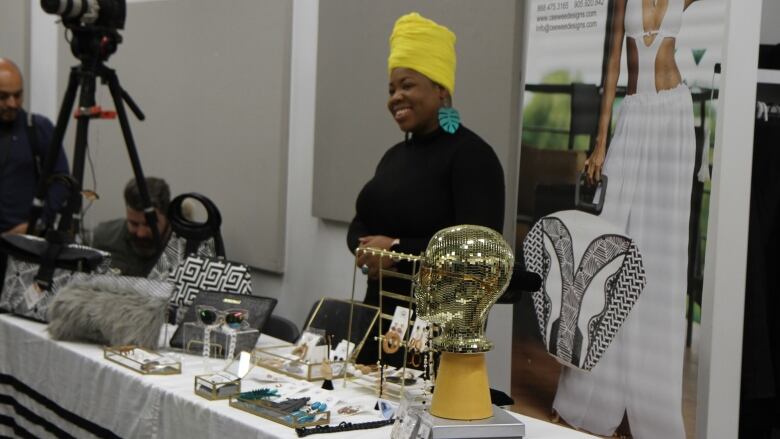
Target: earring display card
{"points": [[220, 340], [142, 361], [407, 417], [418, 339], [311, 346], [338, 355], [400, 321]]}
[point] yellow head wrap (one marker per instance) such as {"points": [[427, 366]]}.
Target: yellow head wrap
{"points": [[425, 46]]}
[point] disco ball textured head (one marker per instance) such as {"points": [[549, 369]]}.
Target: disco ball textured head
{"points": [[464, 271]]}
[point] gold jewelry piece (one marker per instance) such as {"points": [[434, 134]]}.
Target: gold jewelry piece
{"points": [[391, 342], [415, 360], [365, 368], [349, 410], [301, 351]]}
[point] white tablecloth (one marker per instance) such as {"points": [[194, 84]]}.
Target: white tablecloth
{"points": [[51, 389]]}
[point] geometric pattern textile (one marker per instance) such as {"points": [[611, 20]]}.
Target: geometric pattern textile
{"points": [[20, 275], [592, 276], [197, 274], [174, 254]]}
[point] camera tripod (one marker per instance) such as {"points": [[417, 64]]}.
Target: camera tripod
{"points": [[92, 51]]}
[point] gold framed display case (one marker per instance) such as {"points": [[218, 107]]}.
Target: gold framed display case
{"points": [[281, 359], [393, 386], [226, 382], [326, 344], [216, 386], [141, 360], [265, 410]]}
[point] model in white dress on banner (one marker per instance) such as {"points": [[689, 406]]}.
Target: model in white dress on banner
{"points": [[650, 165]]}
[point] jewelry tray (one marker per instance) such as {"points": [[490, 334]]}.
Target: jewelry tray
{"points": [[207, 387], [141, 360], [264, 410], [280, 359]]}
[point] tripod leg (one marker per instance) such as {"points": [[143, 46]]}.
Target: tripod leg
{"points": [[86, 102], [36, 210], [149, 211]]}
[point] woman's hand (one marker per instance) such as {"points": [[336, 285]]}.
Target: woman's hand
{"points": [[18, 229], [372, 261], [594, 163]]}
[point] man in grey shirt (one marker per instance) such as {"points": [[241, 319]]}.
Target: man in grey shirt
{"points": [[130, 240]]}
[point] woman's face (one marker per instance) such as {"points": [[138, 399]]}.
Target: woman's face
{"points": [[414, 101]]}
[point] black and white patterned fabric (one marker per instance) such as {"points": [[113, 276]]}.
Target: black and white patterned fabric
{"points": [[20, 275], [592, 275], [174, 254], [196, 274]]}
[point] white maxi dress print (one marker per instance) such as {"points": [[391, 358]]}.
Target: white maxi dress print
{"points": [[650, 168]]}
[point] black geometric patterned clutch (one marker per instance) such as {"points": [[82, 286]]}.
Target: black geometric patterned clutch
{"points": [[196, 274]]}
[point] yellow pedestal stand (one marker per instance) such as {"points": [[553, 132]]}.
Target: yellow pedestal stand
{"points": [[462, 389]]}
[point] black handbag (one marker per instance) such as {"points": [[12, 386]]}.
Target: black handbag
{"points": [[195, 271], [259, 308], [189, 237], [37, 267]]}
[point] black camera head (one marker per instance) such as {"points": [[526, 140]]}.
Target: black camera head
{"points": [[106, 14], [93, 25]]}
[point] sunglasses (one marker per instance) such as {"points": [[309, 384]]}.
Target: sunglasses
{"points": [[233, 318]]}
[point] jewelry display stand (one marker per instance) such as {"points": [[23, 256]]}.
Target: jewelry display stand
{"points": [[392, 383]]}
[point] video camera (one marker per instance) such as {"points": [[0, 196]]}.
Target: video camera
{"points": [[100, 13], [93, 23]]}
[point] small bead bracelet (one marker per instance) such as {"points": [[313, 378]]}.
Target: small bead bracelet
{"points": [[344, 426]]}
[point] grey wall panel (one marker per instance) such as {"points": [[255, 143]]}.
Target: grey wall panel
{"points": [[213, 80], [15, 35], [353, 126]]}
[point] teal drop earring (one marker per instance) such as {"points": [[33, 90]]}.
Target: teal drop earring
{"points": [[449, 118]]}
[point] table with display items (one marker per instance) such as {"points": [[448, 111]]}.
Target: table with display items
{"points": [[65, 389]]}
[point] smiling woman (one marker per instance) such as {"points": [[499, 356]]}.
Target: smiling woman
{"points": [[441, 175]]}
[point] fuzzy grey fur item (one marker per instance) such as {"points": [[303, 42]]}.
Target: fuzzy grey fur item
{"points": [[110, 310]]}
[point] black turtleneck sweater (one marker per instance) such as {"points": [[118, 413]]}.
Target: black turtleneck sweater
{"points": [[424, 185]]}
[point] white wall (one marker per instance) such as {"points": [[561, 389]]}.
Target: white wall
{"points": [[770, 22], [44, 96]]}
